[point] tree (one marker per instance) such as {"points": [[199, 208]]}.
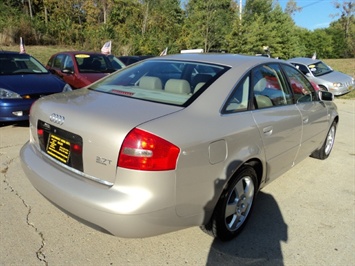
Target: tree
{"points": [[347, 22], [292, 8], [256, 8], [281, 42], [207, 24], [257, 26]]}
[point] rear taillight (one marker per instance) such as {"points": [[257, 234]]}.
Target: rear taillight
{"points": [[144, 151]]}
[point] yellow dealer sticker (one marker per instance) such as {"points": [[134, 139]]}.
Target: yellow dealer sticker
{"points": [[82, 56], [58, 148]]}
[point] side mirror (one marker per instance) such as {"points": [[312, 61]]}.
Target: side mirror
{"points": [[68, 71], [325, 96], [308, 75]]}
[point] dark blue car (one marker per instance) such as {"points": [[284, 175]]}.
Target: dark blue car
{"points": [[23, 80]]}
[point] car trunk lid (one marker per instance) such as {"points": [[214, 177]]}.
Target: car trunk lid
{"points": [[97, 121]]}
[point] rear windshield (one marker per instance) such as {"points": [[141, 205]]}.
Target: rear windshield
{"points": [[163, 81], [14, 64]]}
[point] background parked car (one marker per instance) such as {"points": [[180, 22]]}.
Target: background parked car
{"points": [[131, 59], [324, 76], [176, 141], [23, 80], [80, 69]]}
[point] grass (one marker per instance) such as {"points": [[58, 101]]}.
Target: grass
{"points": [[42, 53], [346, 66]]}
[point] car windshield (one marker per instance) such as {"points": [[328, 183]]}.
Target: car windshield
{"points": [[163, 81], [97, 63], [14, 64], [319, 69]]}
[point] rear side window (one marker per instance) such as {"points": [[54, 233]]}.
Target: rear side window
{"points": [[238, 101], [163, 81], [269, 87]]}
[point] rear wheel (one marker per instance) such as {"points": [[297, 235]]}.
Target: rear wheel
{"points": [[324, 151], [234, 206]]}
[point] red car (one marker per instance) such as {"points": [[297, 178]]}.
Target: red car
{"points": [[79, 69]]}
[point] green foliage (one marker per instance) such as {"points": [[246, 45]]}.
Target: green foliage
{"points": [[207, 24], [148, 26]]}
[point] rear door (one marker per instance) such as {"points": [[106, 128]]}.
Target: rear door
{"points": [[278, 119]]}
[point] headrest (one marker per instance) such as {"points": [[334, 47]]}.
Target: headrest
{"points": [[178, 86], [260, 85], [152, 83]]}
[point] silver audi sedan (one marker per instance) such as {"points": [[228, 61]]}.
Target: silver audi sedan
{"points": [[176, 141], [324, 76]]}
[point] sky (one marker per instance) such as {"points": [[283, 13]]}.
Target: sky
{"points": [[315, 14]]}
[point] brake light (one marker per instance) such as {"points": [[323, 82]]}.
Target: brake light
{"points": [[142, 150], [76, 148], [40, 132]]}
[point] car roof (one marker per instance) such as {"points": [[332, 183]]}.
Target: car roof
{"points": [[233, 60], [79, 52], [135, 56], [10, 52], [303, 60]]}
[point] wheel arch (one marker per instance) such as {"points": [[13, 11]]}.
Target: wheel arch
{"points": [[256, 164], [323, 86]]}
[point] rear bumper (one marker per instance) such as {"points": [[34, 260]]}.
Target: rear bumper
{"points": [[118, 209]]}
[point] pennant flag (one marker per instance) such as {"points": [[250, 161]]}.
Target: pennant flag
{"points": [[106, 49], [165, 52], [22, 46], [314, 56]]}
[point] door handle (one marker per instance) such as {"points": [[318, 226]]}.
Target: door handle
{"points": [[267, 130], [305, 120]]}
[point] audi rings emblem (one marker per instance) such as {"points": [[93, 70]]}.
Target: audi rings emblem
{"points": [[58, 119]]}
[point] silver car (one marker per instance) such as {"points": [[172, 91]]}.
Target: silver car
{"points": [[324, 76], [176, 141]]}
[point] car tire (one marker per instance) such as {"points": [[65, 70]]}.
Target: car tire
{"points": [[324, 152], [234, 206]]}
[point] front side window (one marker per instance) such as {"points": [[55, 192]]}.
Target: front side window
{"points": [[302, 68], [163, 81], [302, 89], [68, 63], [58, 61]]}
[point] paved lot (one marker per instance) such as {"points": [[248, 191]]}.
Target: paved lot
{"points": [[305, 217]]}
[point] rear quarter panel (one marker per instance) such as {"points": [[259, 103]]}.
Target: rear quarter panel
{"points": [[212, 148]]}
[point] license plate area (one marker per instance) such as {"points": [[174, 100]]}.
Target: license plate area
{"points": [[61, 145], [58, 148]]}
